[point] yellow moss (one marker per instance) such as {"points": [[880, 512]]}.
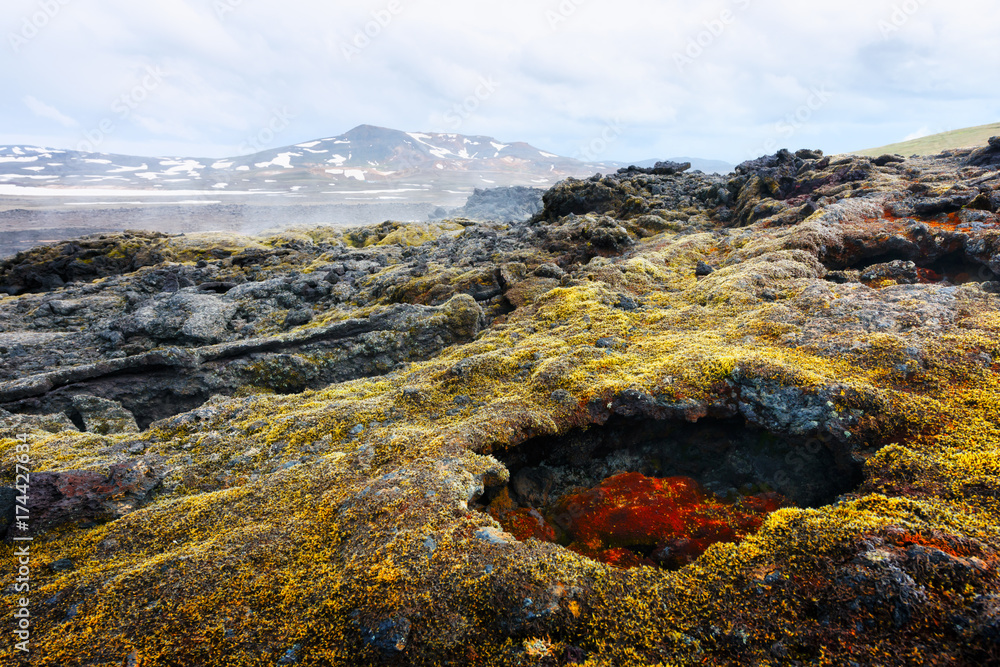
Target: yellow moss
{"points": [[418, 234], [208, 575]]}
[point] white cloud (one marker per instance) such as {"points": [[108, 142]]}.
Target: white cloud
{"points": [[43, 110], [919, 134], [228, 75]]}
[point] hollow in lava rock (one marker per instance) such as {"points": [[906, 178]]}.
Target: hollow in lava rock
{"points": [[631, 520]]}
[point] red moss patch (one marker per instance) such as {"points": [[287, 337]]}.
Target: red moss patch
{"points": [[632, 520], [525, 522], [521, 522]]}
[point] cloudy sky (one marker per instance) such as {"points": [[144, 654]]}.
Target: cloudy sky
{"points": [[623, 80]]}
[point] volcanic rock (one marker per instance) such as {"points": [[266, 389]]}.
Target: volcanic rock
{"points": [[392, 479], [103, 416]]}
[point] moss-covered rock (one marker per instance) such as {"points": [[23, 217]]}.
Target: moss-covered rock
{"points": [[350, 523]]}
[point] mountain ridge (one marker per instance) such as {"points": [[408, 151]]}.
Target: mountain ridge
{"points": [[361, 162], [364, 155]]}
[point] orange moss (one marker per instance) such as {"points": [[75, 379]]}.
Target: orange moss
{"points": [[521, 522], [524, 523], [672, 519]]}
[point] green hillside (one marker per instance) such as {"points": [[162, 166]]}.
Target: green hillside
{"points": [[935, 143]]}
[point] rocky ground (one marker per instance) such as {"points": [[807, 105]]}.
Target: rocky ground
{"points": [[671, 419], [25, 224]]}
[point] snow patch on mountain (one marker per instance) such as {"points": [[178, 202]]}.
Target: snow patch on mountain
{"points": [[281, 160], [122, 170]]}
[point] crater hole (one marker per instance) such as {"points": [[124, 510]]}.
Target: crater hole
{"points": [[640, 491], [953, 268]]}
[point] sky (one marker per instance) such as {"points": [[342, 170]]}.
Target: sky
{"points": [[625, 80]]}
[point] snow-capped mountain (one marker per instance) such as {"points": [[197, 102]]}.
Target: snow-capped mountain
{"points": [[366, 161]]}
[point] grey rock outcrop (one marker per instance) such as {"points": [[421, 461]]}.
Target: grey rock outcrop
{"points": [[103, 416], [511, 203]]}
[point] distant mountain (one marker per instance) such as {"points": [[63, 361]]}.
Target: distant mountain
{"points": [[697, 164], [366, 163], [935, 143]]}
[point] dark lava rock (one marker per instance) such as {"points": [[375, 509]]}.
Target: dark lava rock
{"points": [[83, 259], [669, 168], [572, 197], [904, 273], [609, 342], [7, 508], [75, 496], [883, 160], [511, 203], [663, 168], [989, 156], [298, 317], [61, 565], [104, 416], [389, 636], [217, 287], [807, 154]]}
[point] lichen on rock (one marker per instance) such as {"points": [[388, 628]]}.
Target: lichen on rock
{"points": [[390, 480]]}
